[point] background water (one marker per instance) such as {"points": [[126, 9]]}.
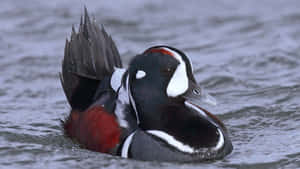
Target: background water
{"points": [[246, 53]]}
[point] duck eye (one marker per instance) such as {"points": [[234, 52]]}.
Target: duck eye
{"points": [[167, 70], [196, 92]]}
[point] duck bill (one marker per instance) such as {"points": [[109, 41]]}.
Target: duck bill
{"points": [[197, 95]]}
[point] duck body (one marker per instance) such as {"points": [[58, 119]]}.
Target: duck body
{"points": [[148, 111]]}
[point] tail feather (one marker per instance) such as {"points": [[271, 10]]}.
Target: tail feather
{"points": [[89, 56]]}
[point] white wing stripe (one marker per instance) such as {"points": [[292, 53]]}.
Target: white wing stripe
{"points": [[172, 141]]}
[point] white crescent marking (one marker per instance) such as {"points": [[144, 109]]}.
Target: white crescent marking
{"points": [[220, 141], [125, 148], [179, 82]]}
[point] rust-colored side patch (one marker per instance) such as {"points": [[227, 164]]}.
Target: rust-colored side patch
{"points": [[94, 128]]}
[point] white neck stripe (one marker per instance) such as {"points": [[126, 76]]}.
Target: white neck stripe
{"points": [[126, 145], [132, 100]]}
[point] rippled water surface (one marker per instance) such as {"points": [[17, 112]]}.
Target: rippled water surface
{"points": [[246, 53]]}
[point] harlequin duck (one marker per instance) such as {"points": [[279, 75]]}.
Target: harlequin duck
{"points": [[150, 111]]}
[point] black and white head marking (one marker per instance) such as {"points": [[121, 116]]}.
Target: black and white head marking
{"points": [[140, 74], [131, 99], [162, 90], [124, 94], [179, 82]]}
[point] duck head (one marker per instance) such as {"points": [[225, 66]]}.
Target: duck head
{"points": [[168, 103]]}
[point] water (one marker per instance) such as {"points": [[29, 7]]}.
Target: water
{"points": [[246, 54]]}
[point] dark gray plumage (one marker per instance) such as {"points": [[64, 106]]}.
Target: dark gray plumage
{"points": [[90, 55], [143, 144]]}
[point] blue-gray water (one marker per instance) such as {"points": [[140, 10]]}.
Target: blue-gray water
{"points": [[246, 53]]}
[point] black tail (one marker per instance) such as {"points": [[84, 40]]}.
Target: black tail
{"points": [[90, 55]]}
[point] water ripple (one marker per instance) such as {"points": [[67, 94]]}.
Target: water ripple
{"points": [[245, 54]]}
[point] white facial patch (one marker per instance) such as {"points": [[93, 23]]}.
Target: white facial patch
{"points": [[140, 74], [116, 78], [179, 82]]}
